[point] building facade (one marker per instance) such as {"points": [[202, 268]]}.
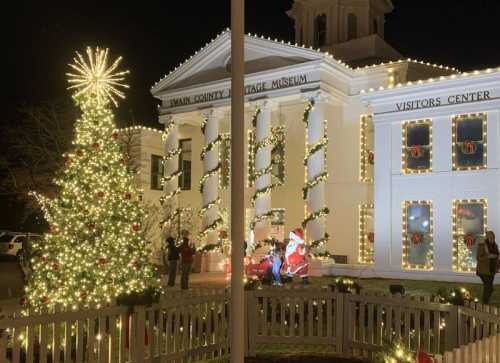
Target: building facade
{"points": [[358, 169]]}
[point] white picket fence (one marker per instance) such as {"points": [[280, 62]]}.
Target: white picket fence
{"points": [[357, 325], [194, 326], [186, 326], [486, 350]]}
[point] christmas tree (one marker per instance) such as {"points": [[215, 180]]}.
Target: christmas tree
{"points": [[95, 249]]}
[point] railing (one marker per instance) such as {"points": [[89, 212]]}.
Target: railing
{"points": [[184, 325], [486, 350], [359, 324]]}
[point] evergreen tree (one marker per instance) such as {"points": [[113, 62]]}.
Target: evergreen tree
{"points": [[95, 249]]}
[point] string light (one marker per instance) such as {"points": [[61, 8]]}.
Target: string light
{"points": [[366, 250], [366, 153]]}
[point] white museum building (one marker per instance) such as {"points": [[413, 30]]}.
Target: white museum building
{"points": [[390, 165]]}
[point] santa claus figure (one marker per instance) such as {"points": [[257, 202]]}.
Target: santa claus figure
{"points": [[296, 256]]}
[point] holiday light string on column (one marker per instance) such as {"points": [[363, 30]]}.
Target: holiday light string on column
{"points": [[321, 177], [217, 223], [365, 245], [168, 178], [366, 155], [94, 250]]}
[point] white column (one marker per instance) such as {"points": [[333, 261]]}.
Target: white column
{"points": [[210, 162], [262, 161], [316, 130], [170, 163]]}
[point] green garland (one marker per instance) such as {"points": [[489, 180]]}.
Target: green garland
{"points": [[165, 198], [206, 149], [320, 242], [170, 218], [209, 205], [315, 215], [173, 175], [260, 192], [270, 140], [172, 154], [207, 175], [321, 177], [315, 148], [262, 217], [211, 227], [307, 111], [169, 155]]}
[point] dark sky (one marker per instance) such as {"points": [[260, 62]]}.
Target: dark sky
{"points": [[155, 36]]}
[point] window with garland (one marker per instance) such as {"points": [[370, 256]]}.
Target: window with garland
{"points": [[156, 172], [366, 234], [367, 156], [469, 228], [417, 235], [469, 142], [225, 161], [417, 146]]}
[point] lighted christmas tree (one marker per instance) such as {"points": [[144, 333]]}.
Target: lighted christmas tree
{"points": [[95, 249]]}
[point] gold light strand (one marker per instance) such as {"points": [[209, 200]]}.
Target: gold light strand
{"points": [[406, 150], [455, 121], [365, 245], [169, 178], [366, 155], [406, 239]]}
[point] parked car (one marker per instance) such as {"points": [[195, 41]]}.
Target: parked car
{"points": [[16, 243]]}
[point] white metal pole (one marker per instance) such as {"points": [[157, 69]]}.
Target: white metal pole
{"points": [[237, 180]]}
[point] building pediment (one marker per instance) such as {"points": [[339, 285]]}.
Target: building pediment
{"points": [[213, 62]]}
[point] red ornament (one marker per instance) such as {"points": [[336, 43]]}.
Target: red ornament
{"points": [[469, 240], [91, 226], [102, 261], [55, 266], [67, 160], [371, 157], [95, 145], [45, 299], [222, 234], [79, 152], [44, 259], [416, 151], [469, 147], [115, 135], [128, 196], [136, 227], [100, 194], [371, 237], [416, 238], [23, 301], [83, 296]]}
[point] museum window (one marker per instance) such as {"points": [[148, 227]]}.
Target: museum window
{"points": [[367, 156], [156, 172], [469, 229], [278, 154], [417, 146], [469, 142], [352, 26], [320, 31], [417, 236], [185, 164], [225, 161], [366, 234]]}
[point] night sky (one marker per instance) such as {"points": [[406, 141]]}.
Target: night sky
{"points": [[154, 37]]}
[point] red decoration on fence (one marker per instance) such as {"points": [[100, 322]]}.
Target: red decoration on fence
{"points": [[416, 238], [469, 147], [423, 357], [416, 151], [469, 240], [136, 227]]}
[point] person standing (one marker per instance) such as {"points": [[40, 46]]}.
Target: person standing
{"points": [[277, 255], [487, 264], [173, 257], [187, 252]]}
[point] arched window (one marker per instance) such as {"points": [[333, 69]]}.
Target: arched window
{"points": [[375, 26], [352, 26], [320, 31]]}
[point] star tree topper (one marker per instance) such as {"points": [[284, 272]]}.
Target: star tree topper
{"points": [[94, 76]]}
